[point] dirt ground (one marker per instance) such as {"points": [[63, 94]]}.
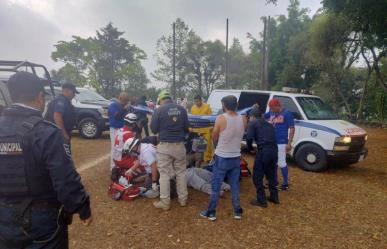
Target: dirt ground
{"points": [[344, 207]]}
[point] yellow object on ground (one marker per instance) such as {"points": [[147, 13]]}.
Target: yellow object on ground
{"points": [[204, 109]]}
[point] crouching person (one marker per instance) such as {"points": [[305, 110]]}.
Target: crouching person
{"points": [[228, 131], [265, 163], [146, 159]]}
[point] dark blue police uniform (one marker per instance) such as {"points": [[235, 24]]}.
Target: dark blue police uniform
{"points": [[38, 182], [62, 105], [265, 163]]}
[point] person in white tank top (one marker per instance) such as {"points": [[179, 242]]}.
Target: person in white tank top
{"points": [[228, 132]]}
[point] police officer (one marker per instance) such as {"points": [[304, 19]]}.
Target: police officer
{"points": [[61, 111], [39, 184], [265, 163]]}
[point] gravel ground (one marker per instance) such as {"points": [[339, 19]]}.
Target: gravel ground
{"points": [[344, 207]]}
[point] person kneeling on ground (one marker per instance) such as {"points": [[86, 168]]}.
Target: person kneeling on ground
{"points": [[265, 163], [200, 179], [129, 130], [146, 159]]}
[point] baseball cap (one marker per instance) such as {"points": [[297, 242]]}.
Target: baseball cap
{"points": [[274, 102], [25, 85], [70, 86]]}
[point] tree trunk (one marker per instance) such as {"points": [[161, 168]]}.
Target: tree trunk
{"points": [[379, 75], [359, 113]]}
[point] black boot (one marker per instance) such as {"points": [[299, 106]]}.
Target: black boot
{"points": [[274, 200], [258, 203]]}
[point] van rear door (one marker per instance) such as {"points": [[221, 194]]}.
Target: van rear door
{"points": [[215, 100], [248, 99]]}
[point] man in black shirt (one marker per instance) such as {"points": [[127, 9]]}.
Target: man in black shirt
{"points": [[61, 111], [37, 174], [265, 163]]}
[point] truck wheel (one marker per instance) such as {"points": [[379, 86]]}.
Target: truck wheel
{"points": [[311, 157], [88, 128]]}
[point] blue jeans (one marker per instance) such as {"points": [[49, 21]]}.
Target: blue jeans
{"points": [[230, 168], [43, 226]]}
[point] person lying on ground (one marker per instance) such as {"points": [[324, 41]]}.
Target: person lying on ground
{"points": [[200, 179]]}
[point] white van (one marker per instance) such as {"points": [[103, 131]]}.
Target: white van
{"points": [[320, 136]]}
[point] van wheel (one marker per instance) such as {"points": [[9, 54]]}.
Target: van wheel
{"points": [[311, 157], [88, 128]]}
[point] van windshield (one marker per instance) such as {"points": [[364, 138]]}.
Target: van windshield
{"points": [[316, 109]]}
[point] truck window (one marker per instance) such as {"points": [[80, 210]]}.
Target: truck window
{"points": [[289, 104], [248, 99], [3, 102]]}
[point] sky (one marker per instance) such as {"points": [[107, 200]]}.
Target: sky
{"points": [[30, 28]]}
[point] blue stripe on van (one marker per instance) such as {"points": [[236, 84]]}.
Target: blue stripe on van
{"points": [[316, 127]]}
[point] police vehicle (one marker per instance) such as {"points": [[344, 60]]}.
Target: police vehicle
{"points": [[91, 111], [321, 136], [7, 68]]}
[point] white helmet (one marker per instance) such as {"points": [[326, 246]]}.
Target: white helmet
{"points": [[131, 118], [130, 144]]}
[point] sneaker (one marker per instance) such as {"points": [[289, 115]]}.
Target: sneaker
{"points": [[237, 216], [258, 203], [205, 214], [151, 194], [285, 187], [161, 205], [273, 200]]}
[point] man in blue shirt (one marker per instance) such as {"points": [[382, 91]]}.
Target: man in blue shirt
{"points": [[283, 122], [117, 111]]}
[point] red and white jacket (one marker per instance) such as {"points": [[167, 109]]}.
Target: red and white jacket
{"points": [[123, 161]]}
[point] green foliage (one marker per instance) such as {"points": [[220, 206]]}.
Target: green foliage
{"points": [[369, 17], [164, 57], [69, 73], [199, 64], [107, 61]]}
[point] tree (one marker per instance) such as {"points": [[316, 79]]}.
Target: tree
{"points": [[334, 49], [369, 19], [213, 66], [238, 73], [286, 33], [204, 65], [69, 73], [108, 60], [164, 57]]}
